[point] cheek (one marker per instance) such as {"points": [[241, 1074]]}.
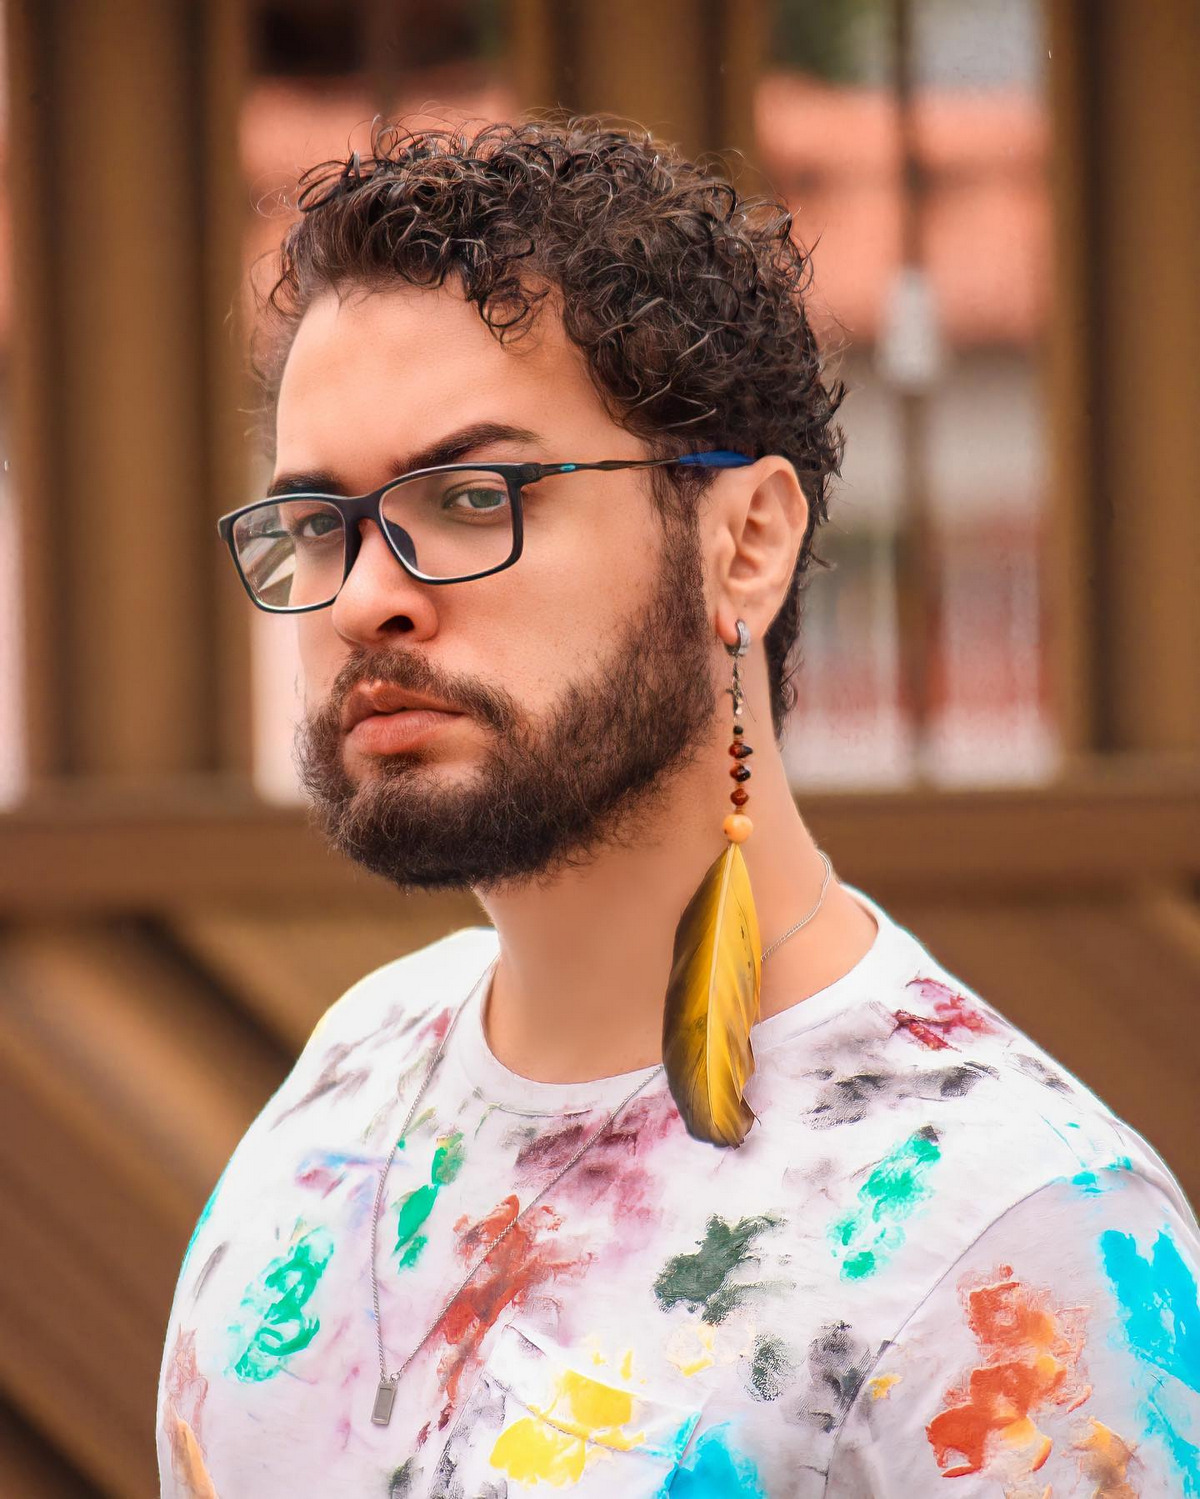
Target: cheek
{"points": [[587, 560], [321, 655]]}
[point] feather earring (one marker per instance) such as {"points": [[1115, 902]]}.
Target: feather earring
{"points": [[713, 990]]}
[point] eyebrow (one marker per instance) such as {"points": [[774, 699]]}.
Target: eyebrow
{"points": [[449, 449]]}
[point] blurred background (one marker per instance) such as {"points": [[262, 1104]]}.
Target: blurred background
{"points": [[998, 732]]}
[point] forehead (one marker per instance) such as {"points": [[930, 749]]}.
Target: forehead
{"points": [[410, 363]]}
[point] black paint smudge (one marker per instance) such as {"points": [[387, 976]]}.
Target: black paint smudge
{"points": [[210, 1264], [849, 1099], [838, 1361], [1042, 1074], [771, 1368]]}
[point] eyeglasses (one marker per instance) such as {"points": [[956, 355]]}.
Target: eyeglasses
{"points": [[444, 525]]}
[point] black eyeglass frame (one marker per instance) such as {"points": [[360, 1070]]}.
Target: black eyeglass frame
{"points": [[370, 507]]}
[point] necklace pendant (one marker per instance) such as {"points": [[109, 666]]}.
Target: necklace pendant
{"points": [[385, 1396]]}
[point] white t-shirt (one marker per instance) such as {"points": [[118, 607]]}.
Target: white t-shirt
{"points": [[937, 1256]]}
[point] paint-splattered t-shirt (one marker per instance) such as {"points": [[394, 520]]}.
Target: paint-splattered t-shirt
{"points": [[939, 1265]]}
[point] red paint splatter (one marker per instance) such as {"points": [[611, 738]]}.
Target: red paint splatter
{"points": [[1031, 1355], [320, 1179], [186, 1390], [920, 1031], [186, 1386], [952, 1016], [514, 1268]]}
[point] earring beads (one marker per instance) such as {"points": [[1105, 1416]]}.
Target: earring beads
{"points": [[737, 826]]}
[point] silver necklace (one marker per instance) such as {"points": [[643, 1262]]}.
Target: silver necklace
{"points": [[792, 930], [385, 1395]]}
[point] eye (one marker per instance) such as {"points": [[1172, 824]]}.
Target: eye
{"points": [[476, 499], [316, 526]]}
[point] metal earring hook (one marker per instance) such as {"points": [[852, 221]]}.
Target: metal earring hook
{"points": [[743, 640]]}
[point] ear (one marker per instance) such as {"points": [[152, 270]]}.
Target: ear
{"points": [[759, 522]]}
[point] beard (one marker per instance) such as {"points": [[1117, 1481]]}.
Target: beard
{"points": [[551, 793]]}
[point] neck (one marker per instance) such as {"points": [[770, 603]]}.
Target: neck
{"points": [[584, 961]]}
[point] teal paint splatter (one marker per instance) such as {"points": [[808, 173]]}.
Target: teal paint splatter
{"points": [[715, 1470], [895, 1188], [205, 1214], [701, 1280], [1089, 1181], [279, 1325], [1158, 1298], [413, 1210], [1160, 1309], [1185, 1454]]}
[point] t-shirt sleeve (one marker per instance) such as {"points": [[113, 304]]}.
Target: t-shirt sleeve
{"points": [[1059, 1355]]}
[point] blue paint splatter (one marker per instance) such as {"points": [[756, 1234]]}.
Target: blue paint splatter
{"points": [[1160, 1307], [715, 1470]]}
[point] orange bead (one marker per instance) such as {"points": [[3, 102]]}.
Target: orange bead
{"points": [[737, 827]]}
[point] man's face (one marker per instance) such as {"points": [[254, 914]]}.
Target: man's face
{"points": [[583, 674]]}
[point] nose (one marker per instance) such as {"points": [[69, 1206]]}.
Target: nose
{"points": [[380, 598]]}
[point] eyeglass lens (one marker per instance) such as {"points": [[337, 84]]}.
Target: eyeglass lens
{"points": [[292, 552]]}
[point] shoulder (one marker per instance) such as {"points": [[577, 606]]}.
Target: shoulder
{"points": [[381, 1023], [399, 995], [923, 1117]]}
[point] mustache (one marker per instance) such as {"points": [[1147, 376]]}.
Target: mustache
{"points": [[411, 672]]}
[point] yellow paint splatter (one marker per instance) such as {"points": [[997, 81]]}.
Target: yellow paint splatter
{"points": [[554, 1445], [692, 1348], [627, 1364], [881, 1384]]}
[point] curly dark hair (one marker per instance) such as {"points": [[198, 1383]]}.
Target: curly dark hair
{"points": [[684, 296]]}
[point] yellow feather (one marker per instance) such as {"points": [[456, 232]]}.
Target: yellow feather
{"points": [[712, 1001]]}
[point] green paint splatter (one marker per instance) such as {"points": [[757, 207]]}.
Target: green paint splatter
{"points": [[701, 1280], [277, 1300], [413, 1210], [770, 1368], [447, 1159], [893, 1190], [400, 1485]]}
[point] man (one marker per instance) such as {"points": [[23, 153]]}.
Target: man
{"points": [[475, 1245]]}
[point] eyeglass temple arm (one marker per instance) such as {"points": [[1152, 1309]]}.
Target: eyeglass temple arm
{"points": [[719, 458]]}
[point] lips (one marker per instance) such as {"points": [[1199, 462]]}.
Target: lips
{"points": [[384, 698]]}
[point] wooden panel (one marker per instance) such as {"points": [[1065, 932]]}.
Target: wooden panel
{"points": [[128, 403], [1071, 376], [31, 1469], [1111, 988], [1149, 352], [287, 968], [1125, 374], [123, 1090], [198, 843]]}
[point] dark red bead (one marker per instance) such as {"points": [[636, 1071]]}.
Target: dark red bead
{"points": [[740, 772], [740, 797], [740, 750]]}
